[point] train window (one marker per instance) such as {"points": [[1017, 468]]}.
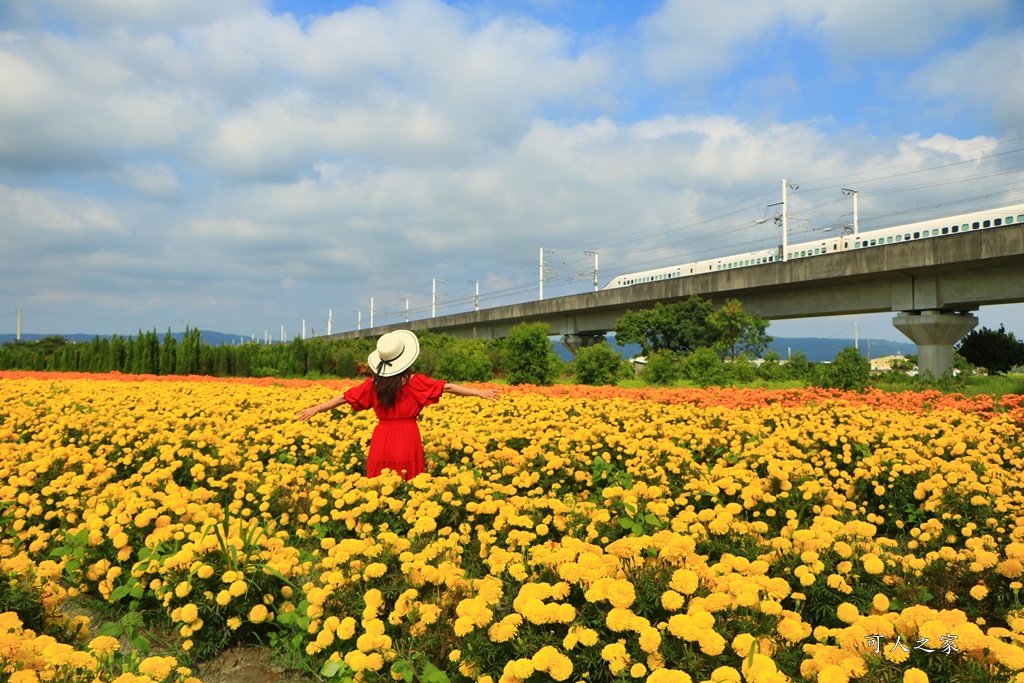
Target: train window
{"points": [[917, 235], [965, 227], [907, 236], [956, 228], [945, 231], [1020, 218], [987, 224], [872, 242], [899, 238], [976, 225], [997, 222]]}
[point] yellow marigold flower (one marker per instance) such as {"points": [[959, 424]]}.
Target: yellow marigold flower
{"points": [[915, 675], [188, 613], [223, 598], [616, 656], [685, 581], [674, 676], [742, 644], [979, 592], [833, 673], [25, 676], [637, 670], [234, 623], [847, 612], [374, 570], [237, 588], [880, 602], [104, 645], [723, 674], [258, 614], [672, 601], [204, 572], [519, 668], [158, 668], [872, 564]]}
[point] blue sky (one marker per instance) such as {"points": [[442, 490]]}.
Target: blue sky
{"points": [[252, 165]]}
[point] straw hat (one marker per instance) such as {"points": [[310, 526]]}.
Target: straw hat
{"points": [[396, 351]]}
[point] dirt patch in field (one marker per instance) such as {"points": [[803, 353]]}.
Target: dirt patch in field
{"points": [[247, 665]]}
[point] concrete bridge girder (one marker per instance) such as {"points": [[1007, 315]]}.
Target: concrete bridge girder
{"points": [[930, 284]]}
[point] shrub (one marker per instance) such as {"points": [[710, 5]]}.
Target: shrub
{"points": [[771, 369], [705, 368], [464, 360], [742, 370], [797, 367], [662, 368], [598, 364], [849, 370], [528, 356]]}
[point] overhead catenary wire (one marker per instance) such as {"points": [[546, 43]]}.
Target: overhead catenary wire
{"points": [[682, 238]]}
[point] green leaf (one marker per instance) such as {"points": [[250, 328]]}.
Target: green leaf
{"points": [[403, 669], [625, 523], [431, 674], [119, 593], [138, 642], [330, 668], [110, 629], [137, 591]]}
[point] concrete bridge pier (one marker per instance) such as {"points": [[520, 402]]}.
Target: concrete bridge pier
{"points": [[935, 332], [575, 342]]}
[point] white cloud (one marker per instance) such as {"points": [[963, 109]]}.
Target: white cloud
{"points": [[984, 75], [699, 40]]}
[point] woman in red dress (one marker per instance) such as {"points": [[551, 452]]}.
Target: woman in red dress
{"points": [[397, 395]]}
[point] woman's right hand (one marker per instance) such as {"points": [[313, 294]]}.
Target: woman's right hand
{"points": [[304, 415]]}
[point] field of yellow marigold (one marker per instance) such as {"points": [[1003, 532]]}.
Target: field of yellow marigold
{"points": [[565, 533]]}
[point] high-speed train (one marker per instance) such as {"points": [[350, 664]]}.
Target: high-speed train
{"points": [[976, 220]]}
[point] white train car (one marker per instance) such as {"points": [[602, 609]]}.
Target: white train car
{"points": [[939, 227]]}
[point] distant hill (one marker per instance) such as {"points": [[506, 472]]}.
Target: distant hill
{"points": [[816, 349], [210, 337]]}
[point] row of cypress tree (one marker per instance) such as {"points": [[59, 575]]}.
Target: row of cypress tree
{"points": [[148, 354]]}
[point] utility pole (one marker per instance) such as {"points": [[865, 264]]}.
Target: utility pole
{"points": [[433, 296], [371, 312], [853, 193], [17, 337], [303, 329], [359, 321], [330, 316], [542, 250], [594, 254], [406, 310], [785, 217], [476, 297]]}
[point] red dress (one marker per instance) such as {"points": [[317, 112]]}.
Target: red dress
{"points": [[396, 443]]}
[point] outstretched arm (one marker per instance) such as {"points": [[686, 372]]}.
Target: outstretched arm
{"points": [[333, 403], [459, 390]]}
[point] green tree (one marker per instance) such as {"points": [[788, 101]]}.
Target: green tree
{"points": [[681, 326], [849, 370], [998, 351], [599, 364], [528, 357], [739, 332]]}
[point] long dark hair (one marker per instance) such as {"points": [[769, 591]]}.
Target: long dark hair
{"points": [[388, 387]]}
